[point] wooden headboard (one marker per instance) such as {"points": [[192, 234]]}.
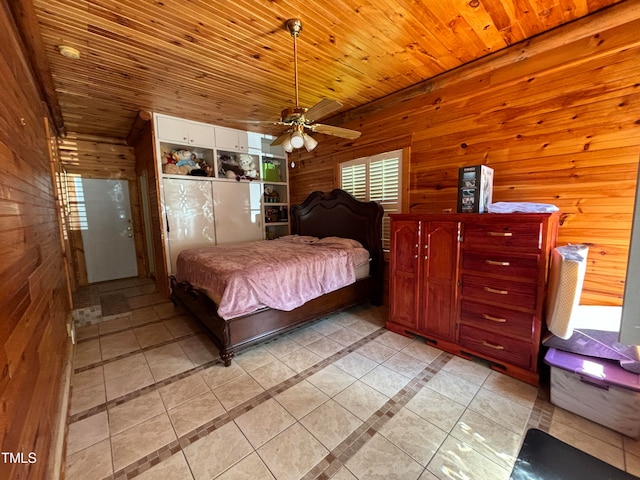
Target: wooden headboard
{"points": [[338, 214]]}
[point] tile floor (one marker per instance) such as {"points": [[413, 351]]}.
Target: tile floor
{"points": [[341, 398]]}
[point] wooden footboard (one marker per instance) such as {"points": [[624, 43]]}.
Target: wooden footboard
{"points": [[237, 333]]}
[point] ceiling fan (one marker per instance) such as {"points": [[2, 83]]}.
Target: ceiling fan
{"points": [[299, 119]]}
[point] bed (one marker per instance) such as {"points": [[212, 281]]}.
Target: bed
{"points": [[321, 215]]}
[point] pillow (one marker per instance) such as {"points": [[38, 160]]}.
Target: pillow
{"points": [[298, 238], [339, 241]]}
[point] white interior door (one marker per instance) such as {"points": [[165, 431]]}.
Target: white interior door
{"points": [[109, 248]]}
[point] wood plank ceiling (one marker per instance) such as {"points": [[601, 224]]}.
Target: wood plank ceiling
{"points": [[215, 60]]}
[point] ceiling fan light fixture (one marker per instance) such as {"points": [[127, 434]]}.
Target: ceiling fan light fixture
{"points": [[286, 144], [300, 119], [296, 139], [309, 142]]}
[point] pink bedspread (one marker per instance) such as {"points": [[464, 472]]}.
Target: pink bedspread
{"points": [[281, 274]]}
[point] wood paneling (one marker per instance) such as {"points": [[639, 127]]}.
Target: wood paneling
{"points": [[220, 60], [59, 178], [90, 156], [25, 17], [34, 298], [96, 157], [319, 171], [146, 164], [557, 117]]}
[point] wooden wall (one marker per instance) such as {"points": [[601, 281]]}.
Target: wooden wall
{"points": [[104, 158], [146, 163], [557, 117], [33, 299]]}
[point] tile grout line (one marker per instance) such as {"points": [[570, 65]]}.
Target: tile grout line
{"points": [[141, 465], [102, 363], [541, 413], [147, 388], [99, 297], [141, 391], [539, 417], [340, 454], [177, 309], [132, 327], [354, 442]]}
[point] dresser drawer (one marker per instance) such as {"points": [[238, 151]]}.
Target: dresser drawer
{"points": [[497, 319], [522, 235], [496, 346], [498, 263], [517, 294]]}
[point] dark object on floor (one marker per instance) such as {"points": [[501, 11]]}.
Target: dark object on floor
{"points": [[543, 457], [114, 304]]}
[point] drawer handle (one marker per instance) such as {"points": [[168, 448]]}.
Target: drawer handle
{"points": [[494, 319], [500, 234], [492, 345], [499, 264], [494, 290]]}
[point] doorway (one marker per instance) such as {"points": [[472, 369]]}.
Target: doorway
{"points": [[107, 235]]}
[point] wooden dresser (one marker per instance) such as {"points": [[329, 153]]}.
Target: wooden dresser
{"points": [[473, 284]]}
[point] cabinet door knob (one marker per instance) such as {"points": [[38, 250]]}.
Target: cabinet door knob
{"points": [[499, 264], [495, 290], [492, 345], [494, 319]]}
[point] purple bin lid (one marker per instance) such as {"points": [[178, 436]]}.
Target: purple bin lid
{"points": [[603, 371]]}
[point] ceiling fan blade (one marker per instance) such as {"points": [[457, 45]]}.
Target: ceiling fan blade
{"points": [[280, 139], [321, 109], [253, 122], [335, 131]]}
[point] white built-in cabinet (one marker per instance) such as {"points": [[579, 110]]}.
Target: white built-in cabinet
{"points": [[185, 133], [218, 208], [188, 216], [231, 139], [238, 208]]}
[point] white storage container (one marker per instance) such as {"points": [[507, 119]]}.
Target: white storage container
{"points": [[597, 389]]}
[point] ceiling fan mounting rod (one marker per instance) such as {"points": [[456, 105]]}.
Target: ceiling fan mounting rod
{"points": [[295, 27]]}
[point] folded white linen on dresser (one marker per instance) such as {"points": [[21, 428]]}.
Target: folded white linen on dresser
{"points": [[521, 207]]}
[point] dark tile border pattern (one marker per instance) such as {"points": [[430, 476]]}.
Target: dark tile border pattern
{"points": [[540, 416]]}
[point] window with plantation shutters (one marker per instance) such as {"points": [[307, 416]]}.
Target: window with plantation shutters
{"points": [[375, 178], [354, 180]]}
